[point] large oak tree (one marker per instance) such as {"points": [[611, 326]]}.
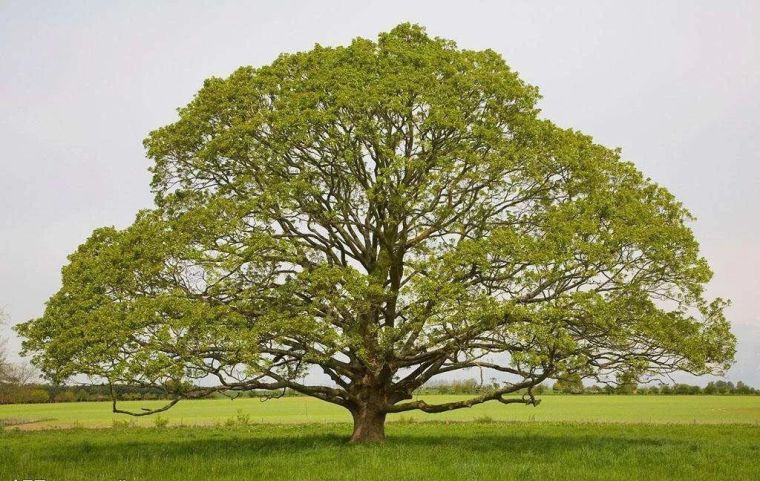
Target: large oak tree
{"points": [[384, 212]]}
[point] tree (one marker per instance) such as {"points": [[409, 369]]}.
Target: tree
{"points": [[569, 384], [22, 374], [724, 387], [386, 212], [627, 382], [6, 368], [19, 374], [742, 388], [653, 389]]}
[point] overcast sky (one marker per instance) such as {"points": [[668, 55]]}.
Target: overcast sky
{"points": [[676, 85]]}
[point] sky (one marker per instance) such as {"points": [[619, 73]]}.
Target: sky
{"points": [[676, 85]]}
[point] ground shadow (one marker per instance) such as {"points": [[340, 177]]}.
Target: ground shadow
{"points": [[240, 443]]}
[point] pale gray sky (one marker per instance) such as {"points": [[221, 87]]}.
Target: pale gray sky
{"points": [[675, 84]]}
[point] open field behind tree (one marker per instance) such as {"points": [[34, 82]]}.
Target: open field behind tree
{"points": [[289, 410]]}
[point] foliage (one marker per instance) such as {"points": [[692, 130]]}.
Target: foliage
{"points": [[122, 424], [385, 212], [712, 388], [569, 385], [37, 393], [160, 421], [15, 394], [463, 386], [243, 419], [5, 366], [65, 397]]}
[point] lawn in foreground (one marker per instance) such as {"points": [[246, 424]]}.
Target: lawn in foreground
{"points": [[586, 408], [413, 451]]}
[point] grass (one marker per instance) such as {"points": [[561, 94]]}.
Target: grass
{"points": [[417, 451], [601, 408], [565, 438]]}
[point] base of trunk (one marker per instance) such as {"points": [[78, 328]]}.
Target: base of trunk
{"points": [[369, 427]]}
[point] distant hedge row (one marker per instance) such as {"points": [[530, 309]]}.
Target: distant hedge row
{"points": [[471, 386], [42, 393]]}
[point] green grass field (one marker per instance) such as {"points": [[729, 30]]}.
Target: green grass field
{"points": [[566, 437], [424, 451], [596, 409]]}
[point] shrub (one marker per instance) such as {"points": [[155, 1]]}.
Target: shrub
{"points": [[160, 422], [121, 423], [405, 420], [484, 419], [13, 394], [243, 419], [82, 395], [65, 397]]}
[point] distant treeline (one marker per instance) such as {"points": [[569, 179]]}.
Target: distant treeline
{"points": [[472, 386], [43, 393]]}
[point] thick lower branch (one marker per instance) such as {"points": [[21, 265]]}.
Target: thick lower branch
{"points": [[496, 395]]}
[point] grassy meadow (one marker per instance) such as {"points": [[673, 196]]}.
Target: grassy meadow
{"points": [[295, 438], [288, 410], [421, 451]]}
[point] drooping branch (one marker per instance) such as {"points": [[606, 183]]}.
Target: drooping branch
{"points": [[495, 395]]}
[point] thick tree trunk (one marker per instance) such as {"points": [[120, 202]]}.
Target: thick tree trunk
{"points": [[369, 425]]}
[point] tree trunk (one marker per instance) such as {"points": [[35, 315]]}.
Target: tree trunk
{"points": [[369, 425]]}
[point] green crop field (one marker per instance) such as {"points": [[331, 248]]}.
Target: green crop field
{"points": [[587, 408], [566, 437]]}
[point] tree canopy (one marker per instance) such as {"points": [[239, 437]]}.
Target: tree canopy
{"points": [[384, 212]]}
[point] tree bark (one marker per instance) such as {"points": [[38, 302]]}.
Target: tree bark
{"points": [[369, 425]]}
